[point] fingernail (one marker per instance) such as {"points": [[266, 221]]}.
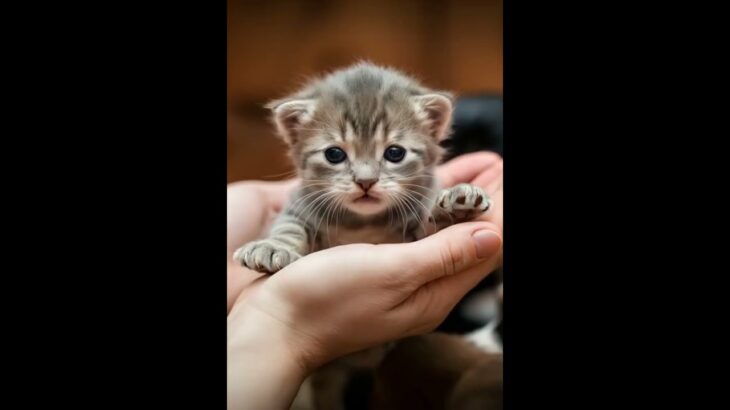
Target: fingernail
{"points": [[487, 243]]}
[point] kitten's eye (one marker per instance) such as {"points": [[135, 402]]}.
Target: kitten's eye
{"points": [[394, 153], [335, 155]]}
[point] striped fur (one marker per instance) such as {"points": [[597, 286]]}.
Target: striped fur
{"points": [[362, 110]]}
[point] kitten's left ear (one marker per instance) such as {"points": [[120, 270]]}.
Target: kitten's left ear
{"points": [[436, 110]]}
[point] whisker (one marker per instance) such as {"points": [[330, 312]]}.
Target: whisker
{"points": [[415, 212], [326, 205], [401, 214], [308, 216], [302, 200], [330, 208], [314, 202], [426, 210], [428, 198], [283, 175], [420, 186], [340, 208]]}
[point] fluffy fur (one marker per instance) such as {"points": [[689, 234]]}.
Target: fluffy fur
{"points": [[362, 110]]}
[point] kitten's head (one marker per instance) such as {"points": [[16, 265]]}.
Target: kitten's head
{"points": [[366, 136]]}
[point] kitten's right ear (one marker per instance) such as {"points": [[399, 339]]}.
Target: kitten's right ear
{"points": [[435, 109], [290, 115]]}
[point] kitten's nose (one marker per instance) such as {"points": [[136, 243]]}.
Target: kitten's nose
{"points": [[366, 183]]}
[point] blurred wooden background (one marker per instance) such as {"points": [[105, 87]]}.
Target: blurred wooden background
{"points": [[273, 45]]}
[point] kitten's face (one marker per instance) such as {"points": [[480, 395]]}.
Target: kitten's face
{"points": [[367, 174], [366, 140]]}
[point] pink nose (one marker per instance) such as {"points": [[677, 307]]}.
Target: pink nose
{"points": [[366, 184]]}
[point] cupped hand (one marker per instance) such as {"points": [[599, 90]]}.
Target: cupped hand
{"points": [[348, 298], [253, 205]]}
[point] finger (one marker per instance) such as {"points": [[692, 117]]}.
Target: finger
{"points": [[252, 206], [489, 179], [444, 293], [430, 304], [448, 252], [465, 168], [247, 214], [278, 192]]}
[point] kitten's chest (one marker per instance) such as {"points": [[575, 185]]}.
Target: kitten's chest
{"points": [[335, 236]]}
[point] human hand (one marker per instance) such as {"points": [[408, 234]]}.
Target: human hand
{"points": [[252, 206], [348, 298]]}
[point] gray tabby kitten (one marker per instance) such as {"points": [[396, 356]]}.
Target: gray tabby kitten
{"points": [[365, 141]]}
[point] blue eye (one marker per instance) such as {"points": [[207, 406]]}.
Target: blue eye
{"points": [[335, 155], [395, 153]]}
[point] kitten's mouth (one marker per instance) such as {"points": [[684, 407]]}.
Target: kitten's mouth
{"points": [[367, 204], [366, 199]]}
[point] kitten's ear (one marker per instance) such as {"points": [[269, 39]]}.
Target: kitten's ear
{"points": [[435, 109], [290, 115]]}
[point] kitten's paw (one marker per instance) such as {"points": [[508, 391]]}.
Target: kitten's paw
{"points": [[463, 201], [265, 256]]}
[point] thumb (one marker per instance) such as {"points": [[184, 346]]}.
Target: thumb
{"points": [[453, 250]]}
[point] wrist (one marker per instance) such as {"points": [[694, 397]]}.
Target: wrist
{"points": [[263, 366]]}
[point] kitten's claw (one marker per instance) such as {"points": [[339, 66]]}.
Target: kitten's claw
{"points": [[265, 256], [463, 201]]}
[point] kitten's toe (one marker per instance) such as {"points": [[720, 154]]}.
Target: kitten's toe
{"points": [[265, 256], [238, 255], [481, 202], [464, 201]]}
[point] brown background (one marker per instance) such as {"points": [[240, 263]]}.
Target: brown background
{"points": [[274, 45]]}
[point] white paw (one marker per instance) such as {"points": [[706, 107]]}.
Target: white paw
{"points": [[463, 201], [265, 256]]}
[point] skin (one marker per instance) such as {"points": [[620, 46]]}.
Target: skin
{"points": [[282, 327]]}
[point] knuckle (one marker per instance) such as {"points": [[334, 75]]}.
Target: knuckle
{"points": [[452, 258]]}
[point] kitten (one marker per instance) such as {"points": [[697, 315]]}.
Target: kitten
{"points": [[365, 141]]}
